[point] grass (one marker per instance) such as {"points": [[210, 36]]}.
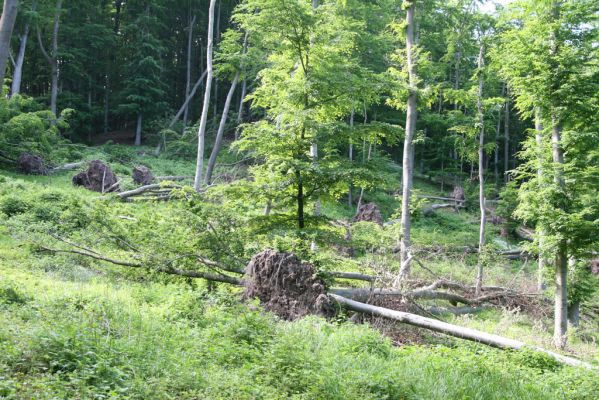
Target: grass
{"points": [[75, 328]]}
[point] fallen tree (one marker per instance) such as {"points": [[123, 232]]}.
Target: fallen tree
{"points": [[287, 276], [453, 330]]}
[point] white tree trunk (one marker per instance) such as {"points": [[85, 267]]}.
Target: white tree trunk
{"points": [[481, 171], [17, 75], [407, 173], [221, 130], [204, 118], [453, 330], [7, 23]]}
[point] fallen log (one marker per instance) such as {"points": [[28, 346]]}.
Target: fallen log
{"points": [[174, 178], [432, 208], [453, 330], [353, 276], [68, 167], [143, 189], [451, 199]]}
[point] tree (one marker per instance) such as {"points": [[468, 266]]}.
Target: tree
{"points": [[408, 148], [20, 60], [546, 55], [204, 118], [52, 57], [144, 89], [7, 23]]}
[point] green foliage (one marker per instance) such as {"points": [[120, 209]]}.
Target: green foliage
{"points": [[25, 128]]}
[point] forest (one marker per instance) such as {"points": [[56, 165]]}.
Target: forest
{"points": [[299, 199]]}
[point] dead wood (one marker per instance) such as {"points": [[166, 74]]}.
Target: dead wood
{"points": [[286, 286], [453, 330]]}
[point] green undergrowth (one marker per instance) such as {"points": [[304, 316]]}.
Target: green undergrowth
{"points": [[106, 338], [74, 327]]}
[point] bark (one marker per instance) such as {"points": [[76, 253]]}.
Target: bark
{"points": [[561, 259], [188, 100], [138, 129], [506, 138], [453, 330], [188, 77], [240, 110], [7, 23], [221, 131], [481, 170], [407, 173], [204, 118], [350, 200], [574, 314], [539, 141], [243, 90], [17, 76]]}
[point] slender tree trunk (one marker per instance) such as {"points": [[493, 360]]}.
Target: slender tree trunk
{"points": [[7, 23], [539, 141], [188, 77], [350, 199], [243, 91], [481, 171], [241, 106], [138, 129], [106, 104], [204, 118], [561, 259], [506, 138], [407, 172], [17, 76], [221, 130], [53, 58], [574, 314]]}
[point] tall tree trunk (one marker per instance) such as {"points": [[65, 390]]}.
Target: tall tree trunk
{"points": [[138, 129], [539, 141], [243, 91], [52, 58], [241, 106], [407, 173], [561, 258], [481, 171], [221, 130], [204, 118], [506, 138], [17, 75], [7, 23], [188, 77], [350, 200], [106, 104]]}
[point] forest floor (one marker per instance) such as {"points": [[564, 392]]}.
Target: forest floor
{"points": [[73, 327]]}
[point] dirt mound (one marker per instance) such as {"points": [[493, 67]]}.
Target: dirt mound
{"points": [[369, 212], [32, 164], [286, 286], [98, 177], [142, 175], [458, 193]]}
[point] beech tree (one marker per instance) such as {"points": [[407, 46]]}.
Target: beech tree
{"points": [[7, 23], [547, 55]]}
